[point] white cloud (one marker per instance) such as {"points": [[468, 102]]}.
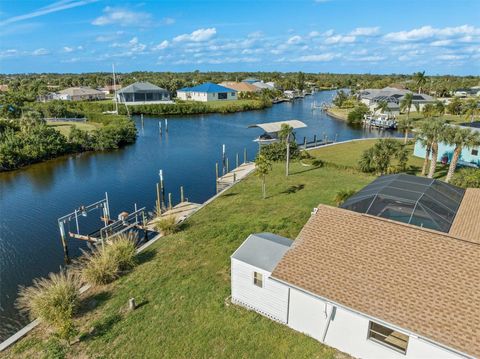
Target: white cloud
{"points": [[374, 58], [328, 33], [316, 58], [163, 45], [9, 53], [67, 49], [122, 17], [40, 52], [197, 35], [426, 32], [314, 34], [54, 7], [294, 40], [450, 57], [441, 43], [337, 39], [168, 21], [365, 31]]}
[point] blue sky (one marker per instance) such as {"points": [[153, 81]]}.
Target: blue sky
{"points": [[344, 36]]}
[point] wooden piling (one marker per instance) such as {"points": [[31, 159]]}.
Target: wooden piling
{"points": [[304, 142], [159, 203], [181, 194], [169, 200], [245, 155], [236, 161], [234, 177], [226, 163], [216, 171]]}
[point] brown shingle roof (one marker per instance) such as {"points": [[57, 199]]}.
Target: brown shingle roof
{"points": [[466, 224], [424, 281], [240, 86]]}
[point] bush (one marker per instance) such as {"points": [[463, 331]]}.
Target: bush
{"points": [[355, 117], [124, 251], [105, 264], [54, 300], [167, 225], [277, 151], [467, 178], [342, 195]]}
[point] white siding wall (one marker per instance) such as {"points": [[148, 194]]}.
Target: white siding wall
{"points": [[348, 331], [203, 96], [271, 300]]}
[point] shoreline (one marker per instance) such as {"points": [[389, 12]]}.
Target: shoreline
{"points": [[336, 115]]}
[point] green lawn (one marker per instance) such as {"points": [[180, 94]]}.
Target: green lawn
{"points": [[183, 281], [64, 126], [339, 113], [449, 118]]}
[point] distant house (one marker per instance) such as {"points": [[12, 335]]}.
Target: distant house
{"points": [[250, 80], [3, 88], [110, 89], [472, 91], [393, 96], [207, 92], [141, 93], [369, 279], [264, 85], [240, 86], [469, 156], [79, 94]]}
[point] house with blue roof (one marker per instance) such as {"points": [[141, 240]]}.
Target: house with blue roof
{"points": [[207, 92]]}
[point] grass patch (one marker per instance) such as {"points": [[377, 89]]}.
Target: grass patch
{"points": [[339, 113], [65, 126]]}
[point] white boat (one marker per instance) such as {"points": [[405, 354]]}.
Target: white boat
{"points": [[382, 121]]}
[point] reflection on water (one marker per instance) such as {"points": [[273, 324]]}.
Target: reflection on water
{"points": [[32, 199]]}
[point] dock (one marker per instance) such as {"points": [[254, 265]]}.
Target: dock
{"points": [[234, 175], [181, 210]]}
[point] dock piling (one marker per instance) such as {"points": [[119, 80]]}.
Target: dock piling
{"points": [[226, 161], [159, 203], [236, 161], [169, 200], [245, 155], [305, 142], [336, 137], [162, 190], [181, 194], [223, 160]]}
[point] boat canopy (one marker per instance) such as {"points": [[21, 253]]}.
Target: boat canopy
{"points": [[271, 127]]}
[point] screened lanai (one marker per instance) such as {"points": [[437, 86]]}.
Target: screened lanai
{"points": [[420, 201]]}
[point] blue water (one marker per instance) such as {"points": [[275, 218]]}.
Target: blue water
{"points": [[33, 198]]}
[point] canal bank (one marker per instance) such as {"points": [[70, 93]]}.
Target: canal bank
{"points": [[33, 198]]}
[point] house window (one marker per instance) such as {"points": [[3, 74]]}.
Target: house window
{"points": [[233, 93], [222, 95], [258, 279], [475, 152], [388, 337]]}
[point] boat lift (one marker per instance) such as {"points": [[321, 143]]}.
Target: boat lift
{"points": [[125, 222]]}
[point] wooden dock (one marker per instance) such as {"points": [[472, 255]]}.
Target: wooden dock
{"points": [[181, 210], [234, 175]]}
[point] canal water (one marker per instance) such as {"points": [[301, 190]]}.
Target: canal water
{"points": [[33, 198]]}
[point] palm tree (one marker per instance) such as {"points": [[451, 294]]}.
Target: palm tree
{"points": [[460, 138], [342, 195], [425, 137], [406, 103], [382, 106], [405, 125], [263, 166], [420, 80], [284, 134], [438, 134], [471, 109], [439, 108]]}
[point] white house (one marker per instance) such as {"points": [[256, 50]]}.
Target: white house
{"points": [[207, 92], [369, 286]]}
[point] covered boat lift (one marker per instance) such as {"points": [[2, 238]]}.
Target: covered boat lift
{"points": [[273, 128]]}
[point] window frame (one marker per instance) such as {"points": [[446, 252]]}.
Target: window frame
{"points": [[256, 281], [384, 343], [474, 152]]}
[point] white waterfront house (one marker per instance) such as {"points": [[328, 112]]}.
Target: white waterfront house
{"points": [[374, 287], [207, 92]]}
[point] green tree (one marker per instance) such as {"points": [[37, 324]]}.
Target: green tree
{"points": [[379, 157], [420, 80], [406, 103], [437, 132], [285, 134], [382, 106], [459, 138], [342, 195], [471, 109], [405, 125], [439, 107], [455, 106], [263, 167]]}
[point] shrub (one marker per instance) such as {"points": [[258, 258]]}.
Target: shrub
{"points": [[277, 151], [467, 177], [123, 250], [355, 117], [105, 264], [342, 195], [99, 267], [167, 225], [54, 300]]}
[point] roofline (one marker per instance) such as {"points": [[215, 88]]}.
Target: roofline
{"points": [[381, 321], [412, 226]]}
